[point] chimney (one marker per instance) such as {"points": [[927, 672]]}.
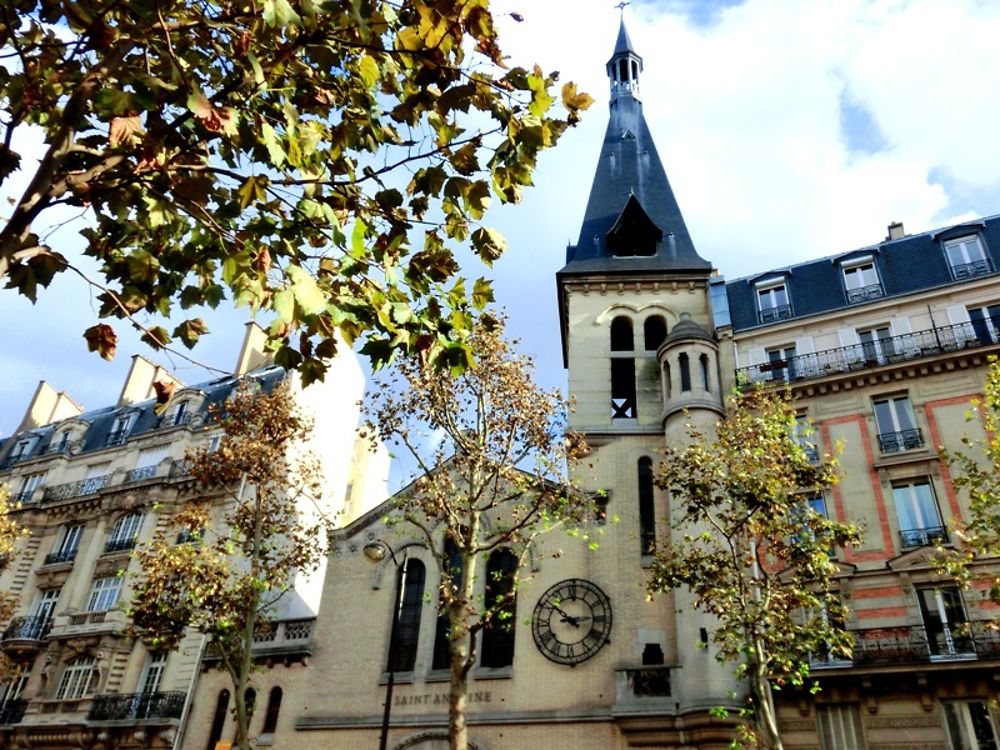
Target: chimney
{"points": [[139, 382], [252, 354], [47, 406], [896, 231]]}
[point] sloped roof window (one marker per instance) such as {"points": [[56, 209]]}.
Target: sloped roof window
{"points": [[633, 233]]}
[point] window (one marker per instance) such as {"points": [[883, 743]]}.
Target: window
{"points": [[840, 727], [219, 719], [772, 301], [76, 679], [986, 323], [861, 282], [877, 345], [96, 478], [970, 726], [453, 563], [966, 257], [703, 369], [29, 484], [124, 533], [68, 545], [44, 609], [498, 635], [104, 593], [684, 363], [179, 415], [917, 511], [622, 370], [897, 430], [120, 429], [404, 655], [60, 443], [273, 708], [647, 509], [22, 449], [804, 436], [944, 615], [780, 363], [654, 332], [214, 441], [153, 672], [146, 463]]}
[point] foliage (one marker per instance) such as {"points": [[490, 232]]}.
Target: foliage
{"points": [[283, 153], [979, 477], [226, 581], [11, 532], [491, 448], [751, 550]]}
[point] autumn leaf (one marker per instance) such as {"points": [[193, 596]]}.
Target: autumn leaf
{"points": [[101, 338]]}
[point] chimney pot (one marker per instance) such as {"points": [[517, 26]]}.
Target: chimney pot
{"points": [[896, 231]]}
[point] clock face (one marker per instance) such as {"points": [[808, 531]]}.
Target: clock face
{"points": [[572, 621]]}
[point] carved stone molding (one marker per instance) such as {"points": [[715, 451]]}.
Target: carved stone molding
{"points": [[900, 722]]}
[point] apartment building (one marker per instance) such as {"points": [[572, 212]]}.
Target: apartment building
{"points": [[92, 486]]}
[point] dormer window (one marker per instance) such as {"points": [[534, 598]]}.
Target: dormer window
{"points": [[772, 301], [179, 415], [967, 257], [861, 281], [60, 443], [120, 430], [22, 449]]}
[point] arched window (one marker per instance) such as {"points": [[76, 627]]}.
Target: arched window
{"points": [[249, 701], [667, 384], [273, 708], [621, 334], [404, 655], [654, 331], [453, 561], [647, 510], [703, 363], [498, 635], [219, 720], [685, 366]]}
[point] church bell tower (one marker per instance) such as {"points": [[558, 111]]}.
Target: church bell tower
{"points": [[643, 359]]}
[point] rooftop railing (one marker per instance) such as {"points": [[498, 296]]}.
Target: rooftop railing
{"points": [[971, 270], [890, 350], [864, 293], [773, 314]]}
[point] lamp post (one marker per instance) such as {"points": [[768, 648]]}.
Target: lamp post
{"points": [[375, 552]]}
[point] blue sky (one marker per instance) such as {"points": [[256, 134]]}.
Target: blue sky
{"points": [[790, 129]]}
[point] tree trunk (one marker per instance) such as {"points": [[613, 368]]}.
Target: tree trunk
{"points": [[458, 653], [765, 715]]}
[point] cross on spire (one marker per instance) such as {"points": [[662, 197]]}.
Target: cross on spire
{"points": [[621, 7]]}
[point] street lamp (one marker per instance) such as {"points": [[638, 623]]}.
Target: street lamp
{"points": [[375, 552]]}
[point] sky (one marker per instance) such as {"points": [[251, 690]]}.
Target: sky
{"points": [[789, 129]]}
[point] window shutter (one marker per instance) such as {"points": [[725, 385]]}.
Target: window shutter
{"points": [[152, 456]]}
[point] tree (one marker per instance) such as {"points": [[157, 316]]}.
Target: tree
{"points": [[493, 477], [227, 579], [11, 532], [751, 550], [979, 476], [285, 153]]}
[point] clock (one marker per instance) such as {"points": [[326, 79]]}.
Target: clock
{"points": [[571, 622]]}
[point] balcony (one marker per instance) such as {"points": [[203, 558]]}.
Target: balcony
{"points": [[137, 706], [12, 711], [864, 294], [63, 556], [914, 644], [70, 490], [773, 314], [24, 497], [648, 682], [904, 440], [25, 635], [280, 640], [119, 545], [971, 270], [858, 357], [140, 474], [913, 538]]}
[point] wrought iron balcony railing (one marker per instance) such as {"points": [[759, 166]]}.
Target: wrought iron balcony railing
{"points": [[971, 270], [113, 707], [864, 293], [892, 350], [173, 420], [772, 314], [139, 474], [116, 438], [27, 629], [81, 488], [904, 440], [24, 497], [12, 711], [63, 556], [912, 538], [119, 545], [914, 644]]}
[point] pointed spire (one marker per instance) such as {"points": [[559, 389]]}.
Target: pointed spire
{"points": [[624, 66]]}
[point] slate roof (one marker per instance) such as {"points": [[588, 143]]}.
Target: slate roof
{"points": [[102, 420], [910, 264], [630, 165]]}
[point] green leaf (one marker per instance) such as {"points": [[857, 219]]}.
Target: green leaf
{"points": [[190, 331], [253, 189], [272, 144], [308, 295], [482, 293], [283, 304], [369, 70], [489, 244]]}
